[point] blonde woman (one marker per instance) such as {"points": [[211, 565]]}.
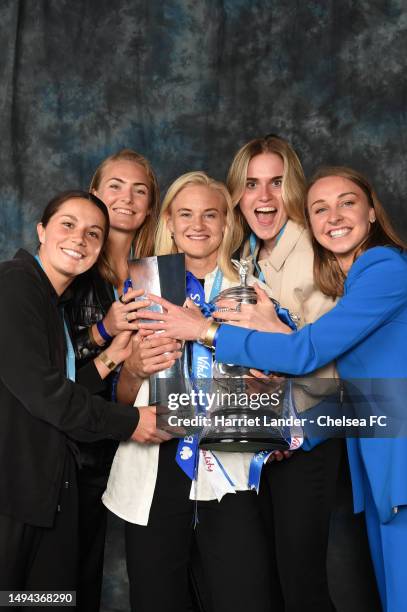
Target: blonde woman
{"points": [[148, 488], [267, 185], [127, 185]]}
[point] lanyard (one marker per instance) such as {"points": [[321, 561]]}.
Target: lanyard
{"points": [[70, 369], [217, 285], [127, 285], [253, 244], [196, 292]]}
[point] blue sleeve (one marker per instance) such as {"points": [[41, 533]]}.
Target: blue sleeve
{"points": [[376, 290]]}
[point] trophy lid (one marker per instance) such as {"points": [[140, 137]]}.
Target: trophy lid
{"points": [[242, 293]]}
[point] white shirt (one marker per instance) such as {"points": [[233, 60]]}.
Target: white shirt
{"points": [[133, 476]]}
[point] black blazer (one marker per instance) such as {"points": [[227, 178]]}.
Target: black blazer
{"points": [[40, 409], [90, 299]]}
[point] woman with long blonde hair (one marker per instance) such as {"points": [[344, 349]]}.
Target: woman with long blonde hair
{"points": [[267, 184], [126, 183]]}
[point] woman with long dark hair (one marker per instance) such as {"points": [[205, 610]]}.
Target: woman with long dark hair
{"points": [[43, 411]]}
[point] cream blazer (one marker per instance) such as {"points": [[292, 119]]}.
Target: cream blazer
{"points": [[289, 275]]}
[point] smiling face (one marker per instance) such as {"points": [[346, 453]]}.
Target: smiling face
{"points": [[262, 202], [71, 241], [340, 217], [197, 218], [125, 189]]}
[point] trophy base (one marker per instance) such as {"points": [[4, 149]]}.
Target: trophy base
{"points": [[237, 430], [243, 444]]}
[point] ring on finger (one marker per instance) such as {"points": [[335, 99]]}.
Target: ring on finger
{"points": [[126, 316]]}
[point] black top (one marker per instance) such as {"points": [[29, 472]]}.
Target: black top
{"points": [[91, 298], [40, 409]]}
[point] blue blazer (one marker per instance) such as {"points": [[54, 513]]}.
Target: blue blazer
{"points": [[366, 333]]}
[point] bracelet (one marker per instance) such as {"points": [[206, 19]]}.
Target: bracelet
{"points": [[102, 331], [211, 335], [105, 359], [92, 337]]}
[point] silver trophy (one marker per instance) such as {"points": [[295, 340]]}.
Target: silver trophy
{"points": [[242, 294], [232, 427], [162, 275]]}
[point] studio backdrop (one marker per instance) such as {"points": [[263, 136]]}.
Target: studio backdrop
{"points": [[186, 82]]}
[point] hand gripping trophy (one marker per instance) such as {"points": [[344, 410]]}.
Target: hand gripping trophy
{"points": [[238, 422]]}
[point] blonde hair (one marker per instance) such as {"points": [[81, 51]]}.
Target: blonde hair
{"points": [[143, 241], [165, 245], [328, 275], [293, 186]]}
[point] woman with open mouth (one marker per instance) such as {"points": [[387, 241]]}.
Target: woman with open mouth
{"points": [[149, 488], [267, 184]]}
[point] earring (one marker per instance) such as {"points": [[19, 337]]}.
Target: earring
{"points": [[172, 235]]}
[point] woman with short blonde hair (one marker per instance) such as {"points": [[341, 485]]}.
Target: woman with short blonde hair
{"points": [[150, 487], [233, 233]]}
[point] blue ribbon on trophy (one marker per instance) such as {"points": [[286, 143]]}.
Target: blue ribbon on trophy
{"points": [[201, 367], [295, 441]]}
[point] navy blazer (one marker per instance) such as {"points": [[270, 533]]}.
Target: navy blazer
{"points": [[366, 333]]}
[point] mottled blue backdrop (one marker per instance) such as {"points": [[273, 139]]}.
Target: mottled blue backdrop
{"points": [[187, 82]]}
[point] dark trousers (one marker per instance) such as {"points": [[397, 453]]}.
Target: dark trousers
{"points": [[230, 539], [92, 532], [96, 460], [40, 558], [297, 498]]}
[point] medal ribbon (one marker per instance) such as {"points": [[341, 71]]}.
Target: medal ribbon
{"points": [[187, 456], [70, 369], [293, 436]]}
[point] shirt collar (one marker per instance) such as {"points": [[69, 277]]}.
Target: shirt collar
{"points": [[285, 245]]}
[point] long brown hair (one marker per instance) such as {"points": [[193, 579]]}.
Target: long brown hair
{"points": [[328, 275], [293, 186], [143, 242]]}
